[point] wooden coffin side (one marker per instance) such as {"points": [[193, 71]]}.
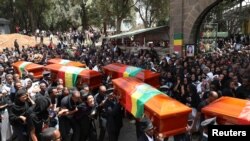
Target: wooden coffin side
{"points": [[16, 65], [114, 70], [90, 77], [36, 69], [54, 69], [54, 61], [169, 126], [149, 77], [228, 110], [169, 115], [124, 86]]}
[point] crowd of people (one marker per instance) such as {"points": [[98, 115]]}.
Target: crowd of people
{"points": [[72, 113]]}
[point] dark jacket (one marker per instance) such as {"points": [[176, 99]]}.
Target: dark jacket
{"points": [[18, 109], [114, 116], [143, 137]]}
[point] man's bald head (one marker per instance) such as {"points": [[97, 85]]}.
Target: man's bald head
{"points": [[50, 134], [102, 89], [213, 95]]}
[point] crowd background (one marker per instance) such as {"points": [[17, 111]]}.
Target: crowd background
{"points": [[194, 81]]}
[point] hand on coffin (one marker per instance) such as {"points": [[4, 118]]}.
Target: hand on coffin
{"points": [[188, 128], [159, 137], [191, 129]]}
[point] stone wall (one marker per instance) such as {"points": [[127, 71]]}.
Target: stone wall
{"points": [[185, 19]]}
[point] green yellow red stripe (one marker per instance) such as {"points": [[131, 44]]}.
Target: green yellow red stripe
{"points": [[22, 67], [143, 93]]}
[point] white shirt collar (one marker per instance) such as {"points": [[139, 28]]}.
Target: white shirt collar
{"points": [[149, 138]]}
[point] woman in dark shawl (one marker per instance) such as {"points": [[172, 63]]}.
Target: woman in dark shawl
{"points": [[17, 116], [37, 116]]}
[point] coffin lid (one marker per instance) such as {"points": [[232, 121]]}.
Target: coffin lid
{"points": [[117, 67], [229, 107], [164, 106], [70, 63], [84, 73], [114, 67], [128, 84], [29, 67], [146, 74]]}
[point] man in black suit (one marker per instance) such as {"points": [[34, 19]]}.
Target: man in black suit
{"points": [[46, 78], [148, 129]]}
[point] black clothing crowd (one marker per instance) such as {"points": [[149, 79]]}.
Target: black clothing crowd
{"points": [[33, 105]]}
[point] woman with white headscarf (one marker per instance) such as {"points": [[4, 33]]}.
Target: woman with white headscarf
{"points": [[29, 85]]}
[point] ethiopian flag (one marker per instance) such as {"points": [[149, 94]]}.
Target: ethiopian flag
{"points": [[64, 62], [69, 74], [22, 66], [142, 93], [131, 71]]}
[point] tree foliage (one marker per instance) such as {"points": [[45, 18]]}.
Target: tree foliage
{"points": [[62, 14], [153, 11]]}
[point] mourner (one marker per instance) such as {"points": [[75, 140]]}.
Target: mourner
{"points": [[67, 119]]}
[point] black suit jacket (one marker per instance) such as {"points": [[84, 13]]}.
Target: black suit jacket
{"points": [[143, 137]]}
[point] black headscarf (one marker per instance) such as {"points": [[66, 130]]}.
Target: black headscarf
{"points": [[39, 112], [19, 108]]}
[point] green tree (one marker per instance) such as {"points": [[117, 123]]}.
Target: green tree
{"points": [[105, 12], [63, 14], [153, 11], [25, 13], [121, 10]]}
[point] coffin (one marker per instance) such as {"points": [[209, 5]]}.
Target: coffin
{"points": [[22, 66], [229, 110], [66, 62], [74, 76], [117, 70], [169, 116]]}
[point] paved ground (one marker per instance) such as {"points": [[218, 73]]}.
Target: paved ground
{"points": [[128, 133]]}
